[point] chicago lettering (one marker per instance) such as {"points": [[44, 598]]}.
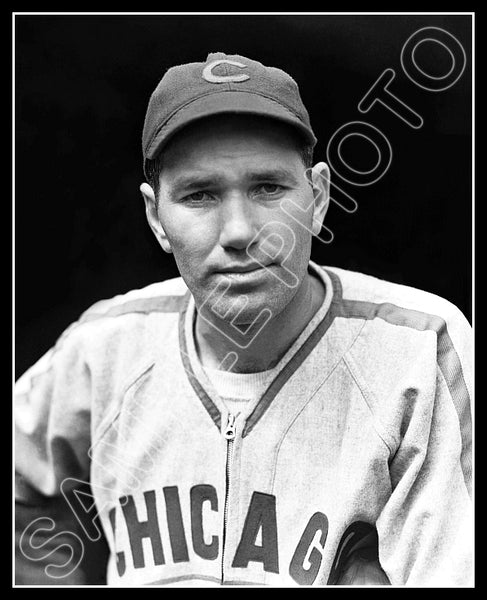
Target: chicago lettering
{"points": [[260, 522]]}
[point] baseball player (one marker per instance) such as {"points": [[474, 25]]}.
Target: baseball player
{"points": [[261, 420]]}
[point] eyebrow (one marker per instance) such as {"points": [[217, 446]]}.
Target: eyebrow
{"points": [[277, 174], [188, 182]]}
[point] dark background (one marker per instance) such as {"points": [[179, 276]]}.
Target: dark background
{"points": [[81, 88]]}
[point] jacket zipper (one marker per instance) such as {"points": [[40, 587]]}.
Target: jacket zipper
{"points": [[230, 433]]}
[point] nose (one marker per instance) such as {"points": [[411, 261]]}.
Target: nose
{"points": [[237, 227]]}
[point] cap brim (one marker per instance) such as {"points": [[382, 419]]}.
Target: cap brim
{"points": [[225, 102]]}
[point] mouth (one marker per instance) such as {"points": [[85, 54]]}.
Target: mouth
{"points": [[250, 273], [241, 269]]}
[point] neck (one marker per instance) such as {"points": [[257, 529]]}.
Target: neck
{"points": [[271, 343]]}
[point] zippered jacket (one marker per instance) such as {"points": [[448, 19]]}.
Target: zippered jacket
{"points": [[364, 434]]}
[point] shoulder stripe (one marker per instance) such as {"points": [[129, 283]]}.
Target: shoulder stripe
{"points": [[391, 313], [447, 357], [451, 368], [161, 304]]}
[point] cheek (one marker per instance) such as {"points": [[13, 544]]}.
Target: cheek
{"points": [[188, 232], [192, 239], [299, 209], [296, 213]]}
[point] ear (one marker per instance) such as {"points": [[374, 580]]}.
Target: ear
{"points": [[320, 181], [152, 215]]}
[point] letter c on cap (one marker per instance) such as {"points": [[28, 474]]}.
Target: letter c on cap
{"points": [[208, 72]]}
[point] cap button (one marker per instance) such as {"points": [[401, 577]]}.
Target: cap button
{"points": [[215, 56]]}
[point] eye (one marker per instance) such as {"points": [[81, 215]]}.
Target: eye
{"points": [[269, 189], [196, 198]]}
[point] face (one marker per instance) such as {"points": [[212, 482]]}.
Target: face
{"points": [[238, 212]]}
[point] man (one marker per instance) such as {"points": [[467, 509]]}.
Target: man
{"points": [[260, 420]]}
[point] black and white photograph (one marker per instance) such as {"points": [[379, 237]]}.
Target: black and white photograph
{"points": [[243, 299]]}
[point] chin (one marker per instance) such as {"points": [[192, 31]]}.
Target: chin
{"points": [[259, 307], [238, 315], [245, 318]]}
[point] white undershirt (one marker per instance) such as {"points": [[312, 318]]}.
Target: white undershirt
{"points": [[237, 389]]}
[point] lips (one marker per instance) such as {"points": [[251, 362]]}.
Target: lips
{"points": [[245, 268]]}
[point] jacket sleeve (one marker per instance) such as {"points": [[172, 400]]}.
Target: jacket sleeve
{"points": [[52, 440], [426, 527]]}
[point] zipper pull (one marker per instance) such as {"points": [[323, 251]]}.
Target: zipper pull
{"points": [[230, 428]]}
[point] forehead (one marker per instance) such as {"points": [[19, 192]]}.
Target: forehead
{"points": [[230, 141]]}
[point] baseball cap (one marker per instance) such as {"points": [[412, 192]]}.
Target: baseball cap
{"points": [[222, 84]]}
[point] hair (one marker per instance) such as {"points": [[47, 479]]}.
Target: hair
{"points": [[154, 167]]}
